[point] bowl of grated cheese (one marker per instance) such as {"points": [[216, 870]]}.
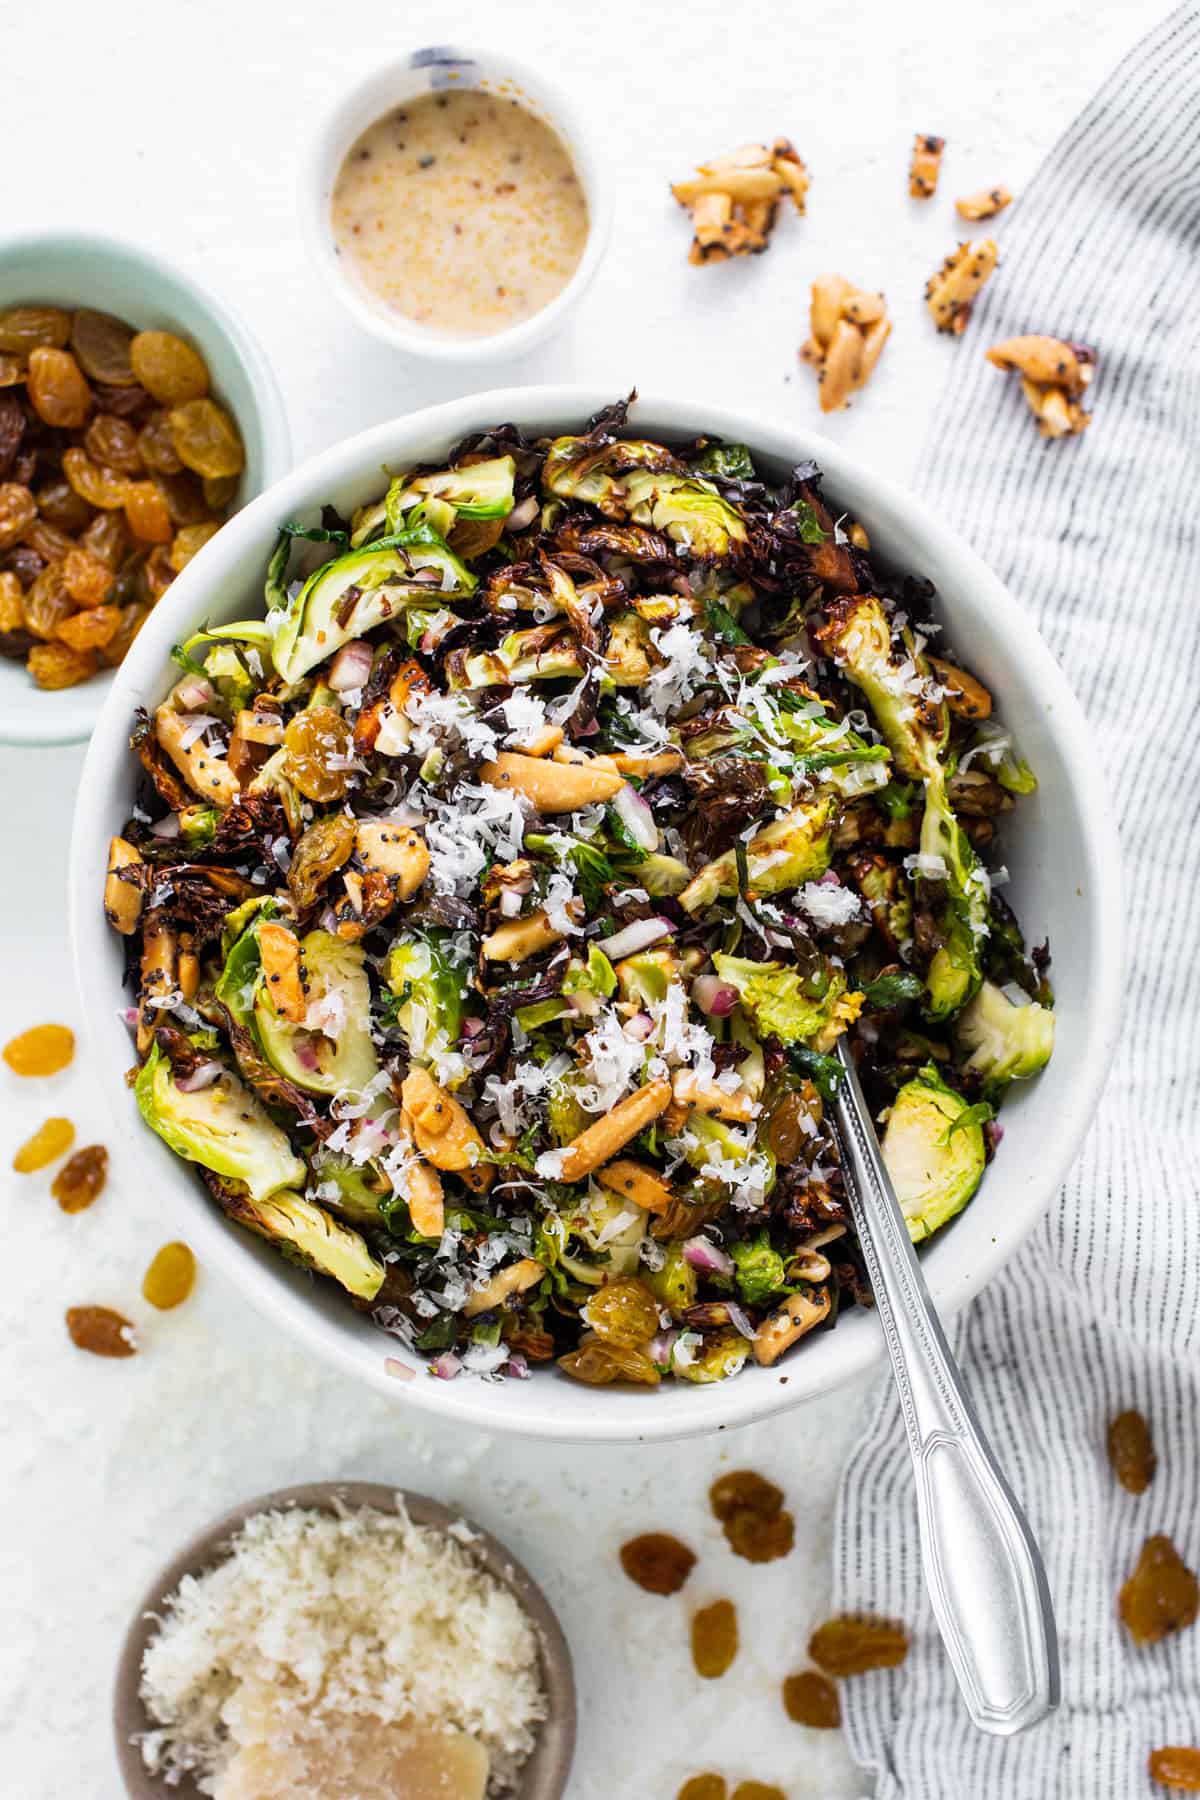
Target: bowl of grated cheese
{"points": [[350, 1642], [1063, 872]]}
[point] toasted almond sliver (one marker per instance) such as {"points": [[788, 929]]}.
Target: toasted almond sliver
{"points": [[863, 309], [601, 1141], [1041, 358], [738, 184], [553, 787], [633, 1181], [983, 205], [828, 292], [514, 1280], [925, 166], [874, 338], [843, 362]]}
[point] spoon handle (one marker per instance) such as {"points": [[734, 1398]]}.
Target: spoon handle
{"points": [[982, 1566]]}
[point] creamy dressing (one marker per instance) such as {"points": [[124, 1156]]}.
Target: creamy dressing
{"points": [[461, 211]]}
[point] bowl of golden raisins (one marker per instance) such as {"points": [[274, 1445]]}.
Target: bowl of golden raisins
{"points": [[136, 415]]}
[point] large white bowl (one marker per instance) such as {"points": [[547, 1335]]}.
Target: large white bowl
{"points": [[83, 268], [1065, 885]]}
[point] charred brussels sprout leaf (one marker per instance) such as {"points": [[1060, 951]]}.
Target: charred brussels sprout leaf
{"points": [[934, 1152]]}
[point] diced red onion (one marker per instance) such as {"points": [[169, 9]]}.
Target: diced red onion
{"points": [[739, 1320], [829, 879], [660, 1347], [588, 730], [702, 1254], [204, 1075], [995, 1132], [471, 1028], [166, 828], [517, 1366], [425, 577], [632, 938], [523, 514], [446, 1366], [682, 585], [328, 920], [714, 997], [639, 1027], [636, 817], [350, 667], [128, 1015], [194, 692], [305, 1051]]}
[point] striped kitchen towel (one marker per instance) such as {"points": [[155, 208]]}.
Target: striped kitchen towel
{"points": [[1100, 537]]}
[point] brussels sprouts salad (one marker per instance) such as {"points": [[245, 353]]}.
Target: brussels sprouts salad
{"points": [[494, 904]]}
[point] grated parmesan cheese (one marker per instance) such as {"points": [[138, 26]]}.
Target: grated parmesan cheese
{"points": [[314, 1617]]}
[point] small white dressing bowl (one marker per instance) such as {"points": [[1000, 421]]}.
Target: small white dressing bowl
{"points": [[447, 69]]}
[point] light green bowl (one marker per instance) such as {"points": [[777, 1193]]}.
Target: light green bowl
{"points": [[75, 268]]}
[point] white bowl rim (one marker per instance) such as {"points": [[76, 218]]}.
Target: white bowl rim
{"points": [[566, 1413], [272, 414], [574, 124]]}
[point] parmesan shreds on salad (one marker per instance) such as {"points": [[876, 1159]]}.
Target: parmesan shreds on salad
{"points": [[325, 1636], [496, 901]]}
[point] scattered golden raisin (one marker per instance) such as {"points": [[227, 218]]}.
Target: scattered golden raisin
{"points": [[169, 370], [598, 1363], [757, 1790], [81, 1178], [714, 1638], [1161, 1596], [750, 1509], [146, 512], [811, 1699], [48, 1142], [88, 581], [318, 747], [623, 1312], [89, 629], [42, 1050], [22, 328], [1176, 1766], [1131, 1452], [188, 539], [170, 1278], [206, 438], [703, 1787], [850, 1644], [58, 388], [101, 1330], [657, 1562], [59, 666]]}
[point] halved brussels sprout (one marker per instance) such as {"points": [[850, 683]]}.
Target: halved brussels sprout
{"points": [[690, 512], [339, 995], [223, 1127], [773, 996], [790, 851], [934, 1151], [307, 1234], [1007, 1041], [611, 1230]]}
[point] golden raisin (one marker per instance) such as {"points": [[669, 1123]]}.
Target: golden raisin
{"points": [[61, 506], [760, 1540], [47, 603], [147, 513], [18, 510], [58, 388], [81, 1178], [23, 328], [87, 580], [598, 1363], [12, 370], [107, 538], [101, 1330], [1131, 1452], [741, 1490], [317, 747], [42, 1050], [184, 497], [187, 540], [1176, 1766], [850, 1644], [219, 490], [170, 1278], [58, 666], [750, 1509], [101, 344], [206, 438], [623, 1312], [113, 442], [1161, 1596], [92, 481], [757, 1790], [167, 368], [156, 446], [158, 573], [811, 1699], [321, 852], [48, 1142], [714, 1638], [703, 1787], [90, 629], [657, 1562], [12, 610]]}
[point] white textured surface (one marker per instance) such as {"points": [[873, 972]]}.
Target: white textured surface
{"points": [[182, 126]]}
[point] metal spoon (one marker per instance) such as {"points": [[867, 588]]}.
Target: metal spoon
{"points": [[982, 1566]]}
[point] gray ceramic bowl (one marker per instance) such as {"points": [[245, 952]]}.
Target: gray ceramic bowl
{"points": [[544, 1776], [81, 268]]}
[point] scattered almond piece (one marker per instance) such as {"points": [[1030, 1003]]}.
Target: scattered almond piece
{"points": [[925, 166], [1054, 375], [848, 329], [951, 293], [734, 199], [984, 204]]}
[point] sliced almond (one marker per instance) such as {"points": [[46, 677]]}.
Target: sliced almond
{"points": [[280, 952], [1042, 359], [984, 204], [552, 787], [515, 1279], [124, 895], [634, 1181], [518, 939], [207, 775], [799, 1314], [601, 1141]]}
